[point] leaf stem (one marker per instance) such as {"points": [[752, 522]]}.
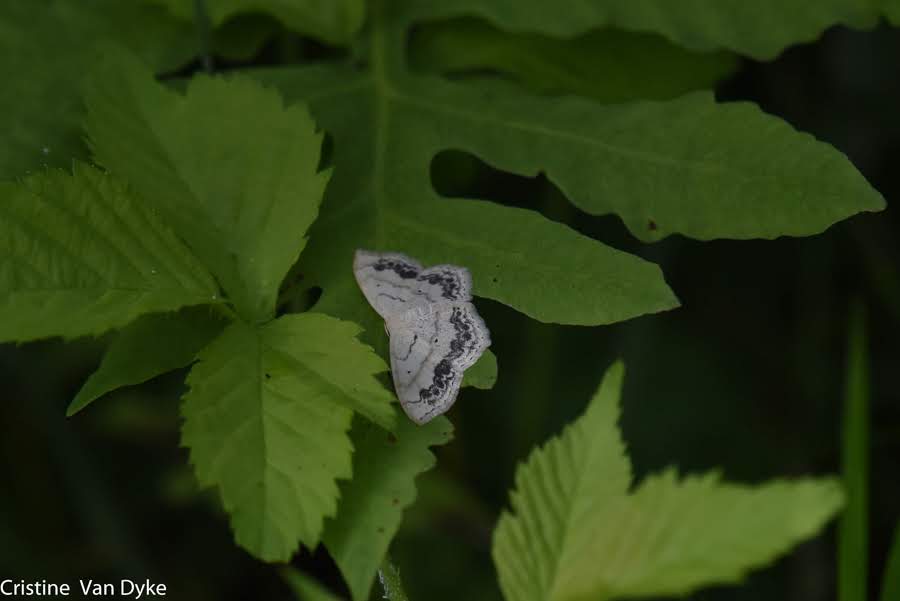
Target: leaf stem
{"points": [[389, 577]]}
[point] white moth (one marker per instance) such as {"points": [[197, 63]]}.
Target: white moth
{"points": [[435, 332]]}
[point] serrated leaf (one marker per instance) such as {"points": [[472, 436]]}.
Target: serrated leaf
{"points": [[385, 466], [241, 192], [271, 438], [607, 65], [588, 468], [46, 47], [333, 21], [576, 534], [483, 374], [149, 346], [81, 256], [761, 29]]}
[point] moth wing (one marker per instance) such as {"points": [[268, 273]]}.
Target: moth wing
{"points": [[446, 283], [387, 280], [431, 346]]}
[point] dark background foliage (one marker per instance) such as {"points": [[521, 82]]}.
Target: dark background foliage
{"points": [[747, 376]]}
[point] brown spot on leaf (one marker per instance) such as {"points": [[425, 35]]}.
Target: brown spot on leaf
{"points": [[651, 225], [391, 438], [395, 501]]}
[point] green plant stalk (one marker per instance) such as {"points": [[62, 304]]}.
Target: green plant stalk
{"points": [[853, 526], [890, 581], [389, 577]]}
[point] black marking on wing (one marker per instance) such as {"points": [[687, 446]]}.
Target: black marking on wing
{"points": [[401, 268], [448, 281], [444, 371], [409, 350], [396, 298]]}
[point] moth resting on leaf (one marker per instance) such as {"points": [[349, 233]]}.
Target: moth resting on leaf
{"points": [[435, 332]]}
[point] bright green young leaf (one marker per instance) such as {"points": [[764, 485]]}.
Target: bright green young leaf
{"points": [[266, 421], [607, 65], [760, 29], [575, 532], [46, 47], [332, 21], [149, 346], [242, 192], [385, 466], [483, 374], [81, 256]]}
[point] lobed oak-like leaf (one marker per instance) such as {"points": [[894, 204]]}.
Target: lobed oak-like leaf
{"points": [[607, 65], [761, 29], [333, 21]]}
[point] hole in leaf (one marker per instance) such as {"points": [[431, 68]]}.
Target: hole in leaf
{"points": [[459, 174]]}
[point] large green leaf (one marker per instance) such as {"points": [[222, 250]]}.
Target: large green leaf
{"points": [[334, 21], [385, 466], [266, 421], [381, 198], [81, 256], [242, 192], [46, 47], [606, 65], [690, 165], [149, 346], [760, 29], [576, 533]]}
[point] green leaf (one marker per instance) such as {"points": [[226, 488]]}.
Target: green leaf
{"points": [[381, 198], [576, 533], [266, 421], [607, 65], [241, 192], [483, 374], [304, 587], [333, 21], [82, 256], [149, 346], [385, 466], [890, 583], [690, 166], [46, 47], [760, 29], [854, 523]]}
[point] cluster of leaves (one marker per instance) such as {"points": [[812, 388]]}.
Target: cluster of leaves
{"points": [[200, 203]]}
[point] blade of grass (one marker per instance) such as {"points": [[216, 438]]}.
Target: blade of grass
{"points": [[853, 526], [890, 582]]}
